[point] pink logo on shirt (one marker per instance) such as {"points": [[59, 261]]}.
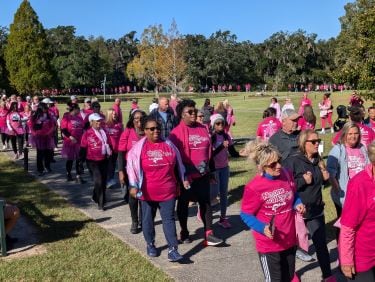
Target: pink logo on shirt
{"points": [[197, 139], [276, 198]]}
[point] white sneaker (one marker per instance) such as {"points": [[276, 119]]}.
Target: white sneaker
{"points": [[332, 131], [322, 131], [20, 157], [4, 147]]}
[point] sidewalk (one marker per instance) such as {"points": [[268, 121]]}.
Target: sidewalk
{"points": [[235, 261]]}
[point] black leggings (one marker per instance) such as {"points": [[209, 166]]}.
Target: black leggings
{"points": [[367, 276], [17, 140], [200, 192], [4, 138], [69, 166], [99, 174], [43, 159], [317, 230]]}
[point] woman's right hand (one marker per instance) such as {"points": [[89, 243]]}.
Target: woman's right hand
{"points": [[267, 232], [348, 270], [121, 177]]}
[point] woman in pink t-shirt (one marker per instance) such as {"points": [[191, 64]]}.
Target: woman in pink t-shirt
{"points": [[113, 127], [194, 143], [345, 160], [14, 130], [356, 244], [72, 131], [269, 125], [129, 137], [152, 167], [3, 125], [268, 205], [326, 111], [96, 149], [304, 101], [274, 104], [308, 119]]}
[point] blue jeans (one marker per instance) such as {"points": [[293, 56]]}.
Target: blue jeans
{"points": [[167, 218], [222, 178]]}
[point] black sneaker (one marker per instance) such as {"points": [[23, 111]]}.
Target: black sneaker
{"points": [[69, 177], [134, 228], [185, 238], [211, 240]]}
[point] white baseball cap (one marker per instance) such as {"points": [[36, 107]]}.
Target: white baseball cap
{"points": [[95, 116]]}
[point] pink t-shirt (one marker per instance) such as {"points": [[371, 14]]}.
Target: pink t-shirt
{"points": [[263, 198], [221, 158], [356, 161], [304, 124], [114, 132], [14, 124], [158, 162], [199, 144], [93, 145], [367, 135], [74, 125], [127, 140], [268, 127], [3, 117], [359, 214]]}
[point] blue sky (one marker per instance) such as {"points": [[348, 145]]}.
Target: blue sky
{"points": [[253, 20]]}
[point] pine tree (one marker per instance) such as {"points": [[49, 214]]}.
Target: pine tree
{"points": [[26, 54]]}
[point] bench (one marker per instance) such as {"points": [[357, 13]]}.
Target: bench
{"points": [[2, 229]]}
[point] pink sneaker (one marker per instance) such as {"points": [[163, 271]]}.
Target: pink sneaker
{"points": [[223, 222]]}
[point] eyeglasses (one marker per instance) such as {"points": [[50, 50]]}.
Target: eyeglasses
{"points": [[314, 141], [273, 164], [219, 123], [152, 129], [191, 112]]}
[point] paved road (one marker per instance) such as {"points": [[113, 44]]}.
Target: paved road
{"points": [[235, 261]]}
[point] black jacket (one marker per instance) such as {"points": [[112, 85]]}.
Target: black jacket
{"points": [[310, 194]]}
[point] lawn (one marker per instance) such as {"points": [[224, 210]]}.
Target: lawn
{"points": [[74, 251]]}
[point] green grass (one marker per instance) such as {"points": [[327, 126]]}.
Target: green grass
{"points": [[77, 248]]}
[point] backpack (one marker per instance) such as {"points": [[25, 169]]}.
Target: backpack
{"points": [[339, 124]]}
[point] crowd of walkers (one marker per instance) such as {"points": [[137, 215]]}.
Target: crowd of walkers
{"points": [[178, 155]]}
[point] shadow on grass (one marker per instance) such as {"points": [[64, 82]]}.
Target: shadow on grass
{"points": [[46, 210], [236, 172]]}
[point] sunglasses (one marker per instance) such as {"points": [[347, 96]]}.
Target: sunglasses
{"points": [[191, 112], [219, 123], [200, 116], [152, 129], [314, 141], [273, 164]]}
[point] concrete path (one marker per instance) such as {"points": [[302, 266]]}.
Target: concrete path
{"points": [[235, 261]]}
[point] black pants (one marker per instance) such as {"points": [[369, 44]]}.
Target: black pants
{"points": [[69, 166], [134, 205], [17, 143], [43, 159], [112, 165], [317, 230], [4, 138], [99, 174], [368, 276], [199, 192], [278, 266]]}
